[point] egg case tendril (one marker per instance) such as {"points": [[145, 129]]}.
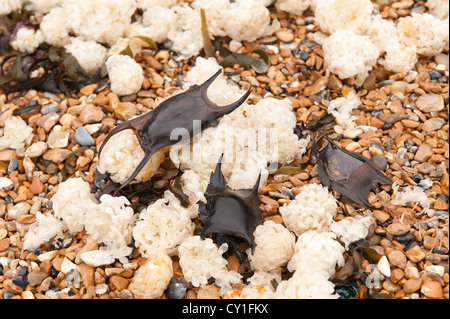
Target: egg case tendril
{"points": [[153, 129]]}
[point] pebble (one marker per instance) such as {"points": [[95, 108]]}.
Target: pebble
{"points": [[48, 121], [57, 155], [384, 266], [125, 110], [6, 184], [100, 289], [83, 137], [37, 186], [119, 282], [398, 229], [398, 259], [87, 273], [51, 107], [432, 289], [11, 287], [381, 216], [430, 102], [58, 139], [67, 266], [19, 209], [433, 124], [176, 289], [12, 166], [208, 292], [380, 161], [285, 35], [4, 244], [438, 270], [91, 114], [415, 254], [7, 155], [88, 89], [20, 281], [412, 285], [423, 153], [352, 133], [36, 149], [96, 258]]}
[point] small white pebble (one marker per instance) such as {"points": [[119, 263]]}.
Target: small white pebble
{"points": [[384, 267]]}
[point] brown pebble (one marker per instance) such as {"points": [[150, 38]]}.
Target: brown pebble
{"points": [[423, 153], [88, 89], [57, 155], [398, 229], [87, 274], [397, 258], [412, 285], [11, 287], [432, 289], [37, 186], [26, 219], [381, 216], [285, 35], [415, 254], [4, 244], [119, 282], [397, 274], [36, 277], [48, 121], [91, 114]]}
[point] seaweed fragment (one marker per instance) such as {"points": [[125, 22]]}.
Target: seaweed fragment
{"points": [[246, 60], [58, 72], [207, 44], [230, 215], [179, 113], [132, 45], [348, 173]]}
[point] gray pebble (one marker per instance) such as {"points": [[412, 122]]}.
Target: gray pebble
{"points": [[83, 137], [380, 161], [176, 289], [13, 164], [51, 107]]}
